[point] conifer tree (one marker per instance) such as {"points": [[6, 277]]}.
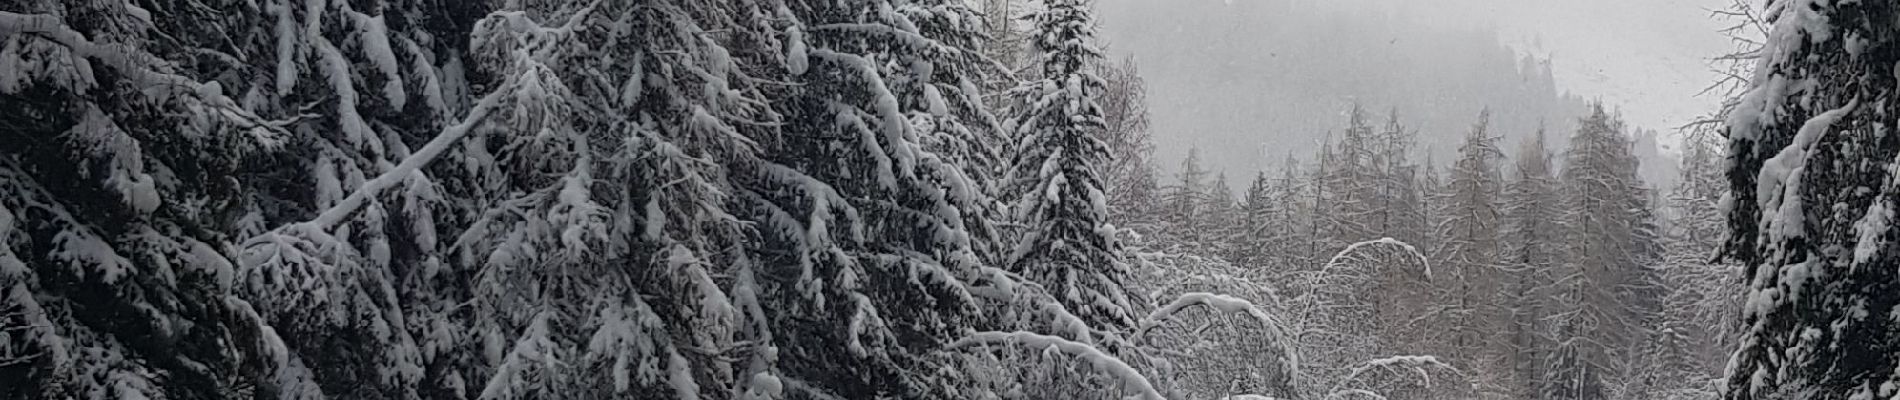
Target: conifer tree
{"points": [[121, 184], [1351, 182], [1813, 189], [1400, 210], [341, 266], [1293, 210], [1261, 238], [1066, 246], [1606, 251], [856, 208], [607, 164], [1432, 192], [1695, 328], [1218, 217], [1530, 230], [1469, 296], [1129, 178], [1186, 201]]}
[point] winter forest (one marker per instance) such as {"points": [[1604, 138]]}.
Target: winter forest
{"points": [[931, 199]]}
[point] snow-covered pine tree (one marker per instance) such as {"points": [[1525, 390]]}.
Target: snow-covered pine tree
{"points": [[1315, 196], [1184, 202], [1066, 245], [1606, 252], [1008, 42], [1432, 192], [604, 253], [118, 187], [862, 224], [1220, 216], [1136, 202], [1813, 184], [1257, 238], [1292, 254], [333, 259], [1366, 189], [1129, 177], [1696, 328], [946, 103], [1346, 304], [1695, 209], [1529, 244], [1350, 179], [1468, 299], [1400, 211]]}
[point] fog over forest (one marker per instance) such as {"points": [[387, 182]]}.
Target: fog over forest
{"points": [[1250, 81]]}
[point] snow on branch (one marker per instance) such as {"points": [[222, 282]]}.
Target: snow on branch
{"points": [[908, 39], [1010, 286], [1417, 364], [343, 208], [1347, 254], [1778, 182], [1223, 303], [884, 106], [1130, 378], [1275, 331], [139, 66], [1355, 392]]}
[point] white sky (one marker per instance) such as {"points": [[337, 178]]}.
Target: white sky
{"points": [[1650, 57]]}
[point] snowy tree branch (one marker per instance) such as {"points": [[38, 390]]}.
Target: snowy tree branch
{"points": [[1347, 254], [1131, 379], [343, 208], [134, 63]]}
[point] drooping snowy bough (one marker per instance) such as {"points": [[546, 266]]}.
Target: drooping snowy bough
{"points": [[1813, 174], [1353, 253], [1270, 328], [1395, 373], [1132, 381]]}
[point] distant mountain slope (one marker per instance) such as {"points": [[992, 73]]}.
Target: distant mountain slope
{"points": [[1247, 81]]}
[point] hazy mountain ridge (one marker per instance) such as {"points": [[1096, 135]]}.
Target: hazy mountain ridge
{"points": [[1276, 90]]}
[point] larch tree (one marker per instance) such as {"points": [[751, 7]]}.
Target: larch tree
{"points": [[1695, 329], [1185, 201], [1220, 217], [1400, 208], [1289, 197], [1350, 180], [1432, 194], [1529, 240], [1129, 177], [1606, 252], [1263, 235], [1008, 41], [1705, 298], [1469, 299]]}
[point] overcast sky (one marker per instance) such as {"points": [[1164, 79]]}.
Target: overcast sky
{"points": [[1648, 58]]}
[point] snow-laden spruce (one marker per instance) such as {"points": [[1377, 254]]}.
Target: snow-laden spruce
{"points": [[116, 199], [1811, 172], [1066, 244]]}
